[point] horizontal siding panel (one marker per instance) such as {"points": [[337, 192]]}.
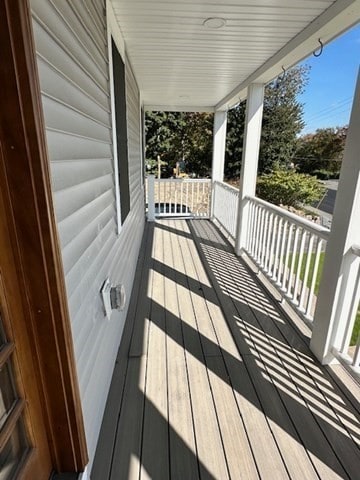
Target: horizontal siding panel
{"points": [[94, 263], [87, 346], [86, 29], [73, 224], [97, 395], [99, 7], [72, 199], [84, 327], [92, 233], [62, 146], [91, 21], [68, 173], [58, 57], [62, 35], [68, 92], [96, 9], [104, 258], [60, 117], [85, 302]]}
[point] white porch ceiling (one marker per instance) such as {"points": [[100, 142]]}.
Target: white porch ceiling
{"points": [[181, 64]]}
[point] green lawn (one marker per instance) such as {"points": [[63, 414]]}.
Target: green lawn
{"points": [[356, 328]]}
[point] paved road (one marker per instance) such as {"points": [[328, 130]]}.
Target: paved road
{"points": [[325, 208], [328, 201]]}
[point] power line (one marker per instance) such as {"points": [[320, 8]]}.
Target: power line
{"points": [[332, 113], [329, 107], [329, 110], [330, 116]]}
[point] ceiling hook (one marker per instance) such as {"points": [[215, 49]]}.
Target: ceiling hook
{"points": [[280, 78], [317, 54]]}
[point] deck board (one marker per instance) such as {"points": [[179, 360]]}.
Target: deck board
{"points": [[212, 461], [183, 458], [214, 382], [155, 448]]}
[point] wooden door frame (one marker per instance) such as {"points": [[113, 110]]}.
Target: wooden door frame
{"points": [[25, 183]]}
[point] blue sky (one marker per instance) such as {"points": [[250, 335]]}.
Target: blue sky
{"points": [[329, 94]]}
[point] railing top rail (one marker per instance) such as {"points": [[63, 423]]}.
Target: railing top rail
{"points": [[356, 250], [178, 180], [227, 186], [318, 230]]}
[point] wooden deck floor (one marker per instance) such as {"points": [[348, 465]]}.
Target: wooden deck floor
{"points": [[212, 381]]}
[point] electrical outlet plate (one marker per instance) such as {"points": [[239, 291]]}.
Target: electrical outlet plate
{"points": [[118, 297], [105, 295]]}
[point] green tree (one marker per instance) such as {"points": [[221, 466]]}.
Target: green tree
{"points": [[198, 142], [163, 130], [282, 122], [321, 152], [180, 137], [234, 140]]}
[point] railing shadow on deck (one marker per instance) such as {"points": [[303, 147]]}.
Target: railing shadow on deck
{"points": [[268, 364], [285, 353]]}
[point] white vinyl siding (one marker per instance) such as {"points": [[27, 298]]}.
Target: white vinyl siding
{"points": [[72, 56]]}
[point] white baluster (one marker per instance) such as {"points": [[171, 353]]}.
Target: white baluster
{"points": [[299, 265], [293, 259], [306, 273], [313, 279], [287, 256], [274, 236]]}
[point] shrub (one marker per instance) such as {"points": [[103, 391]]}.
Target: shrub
{"points": [[289, 188]]}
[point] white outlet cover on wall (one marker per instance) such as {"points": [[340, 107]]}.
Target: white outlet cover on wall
{"points": [[105, 295]]}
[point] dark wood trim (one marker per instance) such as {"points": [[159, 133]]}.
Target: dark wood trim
{"points": [[5, 352], [25, 183], [10, 423], [37, 462]]}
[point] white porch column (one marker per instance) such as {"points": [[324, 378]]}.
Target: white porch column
{"points": [[151, 198], [250, 158], [219, 139], [218, 158], [338, 282]]}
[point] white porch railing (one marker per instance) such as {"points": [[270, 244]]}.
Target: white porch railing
{"points": [[288, 249], [347, 354], [171, 197], [225, 206]]}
